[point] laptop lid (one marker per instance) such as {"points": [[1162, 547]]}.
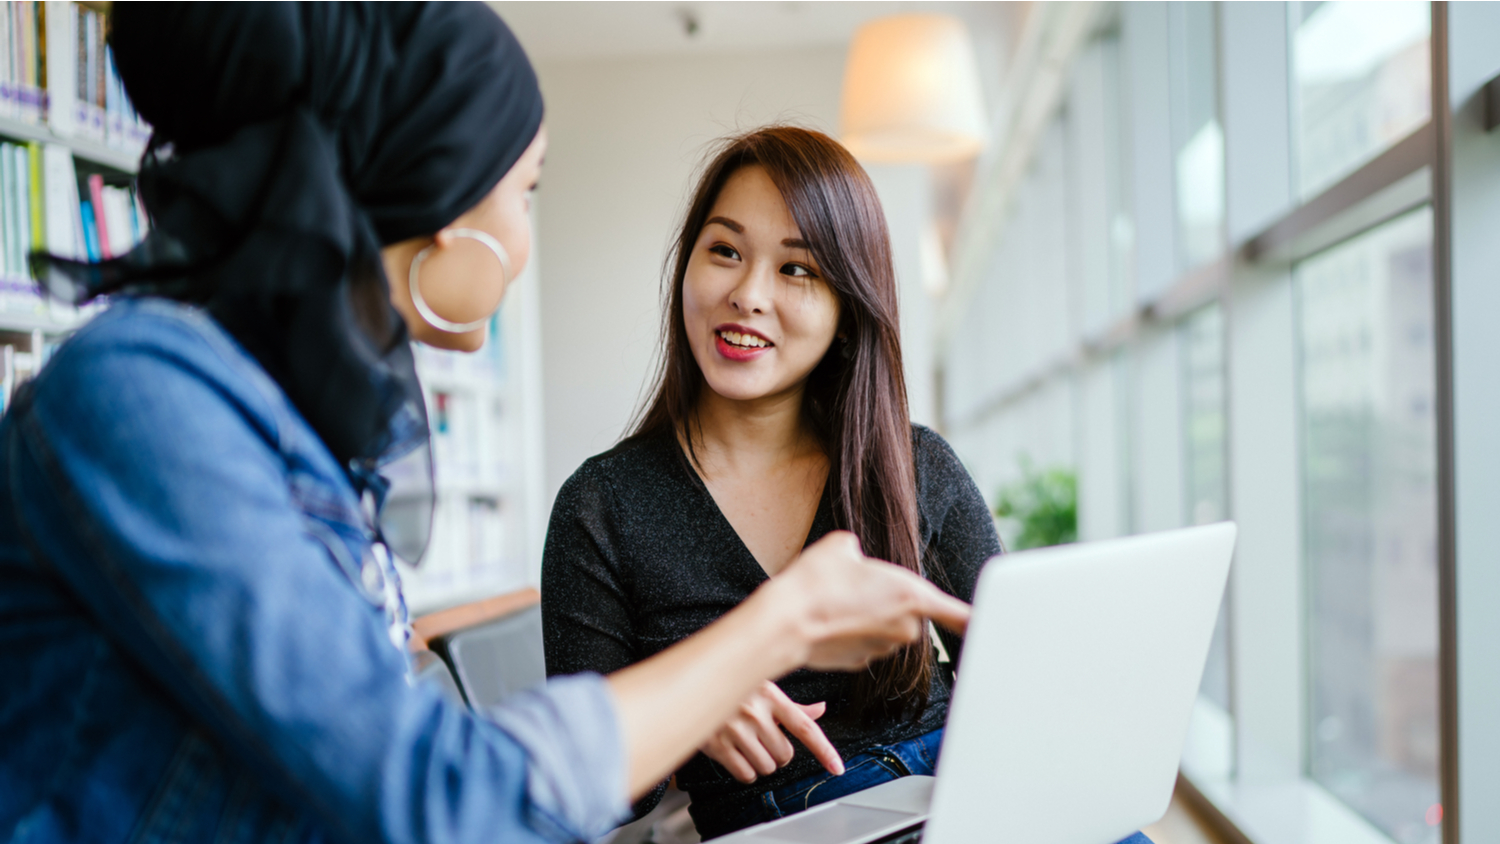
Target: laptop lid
{"points": [[1078, 677]]}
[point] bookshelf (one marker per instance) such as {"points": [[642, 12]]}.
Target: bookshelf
{"points": [[117, 164]]}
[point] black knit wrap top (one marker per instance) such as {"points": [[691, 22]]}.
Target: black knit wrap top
{"points": [[639, 557]]}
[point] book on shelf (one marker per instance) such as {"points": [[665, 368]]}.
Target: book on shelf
{"points": [[64, 237]]}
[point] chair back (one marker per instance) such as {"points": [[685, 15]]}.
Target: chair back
{"points": [[496, 659]]}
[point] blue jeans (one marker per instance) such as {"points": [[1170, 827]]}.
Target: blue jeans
{"points": [[717, 816]]}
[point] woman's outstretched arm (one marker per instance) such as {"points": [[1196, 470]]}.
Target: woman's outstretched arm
{"points": [[831, 609]]}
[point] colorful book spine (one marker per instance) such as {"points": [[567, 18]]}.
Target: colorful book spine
{"points": [[101, 223], [12, 232], [60, 188], [35, 202], [90, 234], [118, 226], [21, 201], [21, 170]]}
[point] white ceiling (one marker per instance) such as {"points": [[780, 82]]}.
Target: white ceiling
{"points": [[584, 30]]}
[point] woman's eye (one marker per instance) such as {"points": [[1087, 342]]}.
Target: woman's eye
{"points": [[724, 251], [797, 271]]}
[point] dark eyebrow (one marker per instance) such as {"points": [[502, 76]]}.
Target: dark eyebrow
{"points": [[792, 242]]}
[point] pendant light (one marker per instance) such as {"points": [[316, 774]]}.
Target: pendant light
{"points": [[911, 92]]}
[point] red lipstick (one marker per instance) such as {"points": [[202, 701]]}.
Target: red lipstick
{"points": [[736, 351]]}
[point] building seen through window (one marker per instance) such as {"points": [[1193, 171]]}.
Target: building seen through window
{"points": [[1369, 471], [1363, 81]]}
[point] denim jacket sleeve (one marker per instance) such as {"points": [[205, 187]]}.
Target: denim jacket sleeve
{"points": [[150, 469]]}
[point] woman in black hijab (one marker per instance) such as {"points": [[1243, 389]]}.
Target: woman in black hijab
{"points": [[196, 596]]}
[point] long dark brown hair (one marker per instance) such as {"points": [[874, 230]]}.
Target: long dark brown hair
{"points": [[855, 399]]}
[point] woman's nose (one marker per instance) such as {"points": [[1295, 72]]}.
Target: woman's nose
{"points": [[753, 294]]}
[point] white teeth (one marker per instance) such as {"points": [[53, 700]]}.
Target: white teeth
{"points": [[734, 338]]}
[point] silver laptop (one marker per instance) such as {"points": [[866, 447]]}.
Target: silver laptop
{"points": [[1079, 673]]}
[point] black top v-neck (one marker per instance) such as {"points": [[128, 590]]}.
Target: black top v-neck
{"points": [[639, 557]]}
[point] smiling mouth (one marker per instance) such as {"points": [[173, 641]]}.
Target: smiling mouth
{"points": [[744, 341]]}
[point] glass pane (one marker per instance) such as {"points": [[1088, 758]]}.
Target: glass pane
{"points": [[1101, 234], [1197, 139], [1363, 81], [1207, 481], [1117, 178], [1207, 485], [1203, 372], [1370, 512]]}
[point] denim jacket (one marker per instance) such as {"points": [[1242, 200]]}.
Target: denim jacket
{"points": [[186, 652]]}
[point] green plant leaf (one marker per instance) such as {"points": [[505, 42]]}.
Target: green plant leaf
{"points": [[1044, 504]]}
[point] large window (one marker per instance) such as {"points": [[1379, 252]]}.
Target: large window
{"points": [[1363, 82], [1370, 524], [1277, 363]]}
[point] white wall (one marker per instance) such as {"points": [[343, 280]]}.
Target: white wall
{"points": [[626, 136], [905, 192]]}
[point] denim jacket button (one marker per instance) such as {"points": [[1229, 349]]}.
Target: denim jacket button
{"points": [[372, 579]]}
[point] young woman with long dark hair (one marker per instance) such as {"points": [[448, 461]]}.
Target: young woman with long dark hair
{"points": [[779, 415]]}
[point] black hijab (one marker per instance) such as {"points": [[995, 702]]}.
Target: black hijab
{"points": [[290, 142]]}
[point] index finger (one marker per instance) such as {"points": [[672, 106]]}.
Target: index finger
{"points": [[932, 602], [944, 609], [806, 730]]}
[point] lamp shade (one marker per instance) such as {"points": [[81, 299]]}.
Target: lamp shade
{"points": [[911, 91]]}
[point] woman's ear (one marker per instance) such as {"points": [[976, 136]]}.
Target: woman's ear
{"points": [[846, 327], [846, 346]]}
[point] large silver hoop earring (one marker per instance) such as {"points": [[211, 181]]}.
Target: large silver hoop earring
{"points": [[415, 287]]}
